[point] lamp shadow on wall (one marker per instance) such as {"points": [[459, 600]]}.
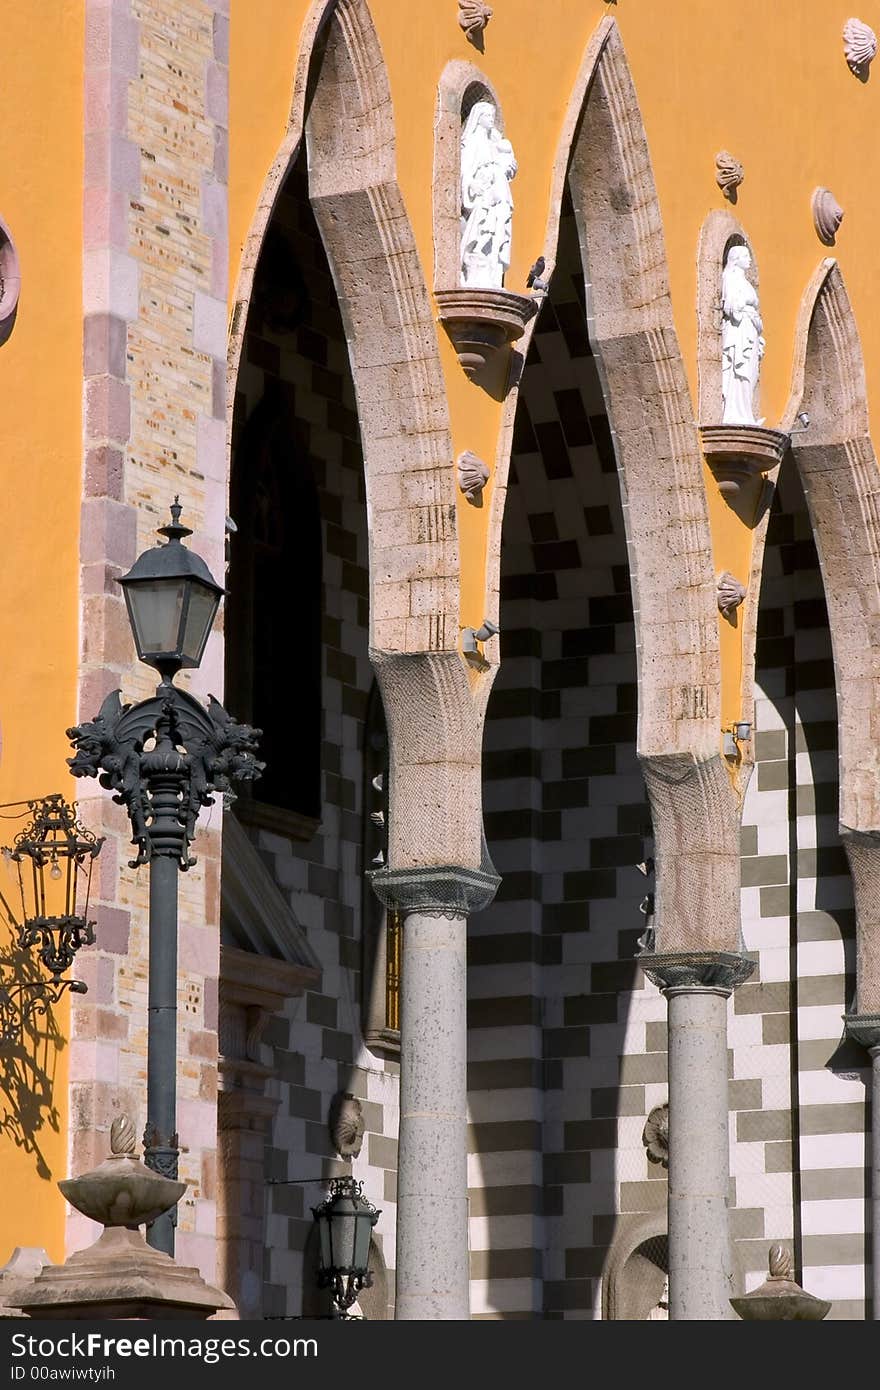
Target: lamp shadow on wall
{"points": [[29, 1053]]}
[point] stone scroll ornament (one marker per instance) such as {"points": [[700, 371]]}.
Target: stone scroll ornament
{"points": [[742, 339], [487, 167], [860, 47], [346, 1124], [473, 476], [730, 594], [827, 215], [729, 174], [655, 1135], [473, 16]]}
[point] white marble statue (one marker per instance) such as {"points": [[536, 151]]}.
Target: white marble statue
{"points": [[660, 1311], [487, 166], [742, 342]]}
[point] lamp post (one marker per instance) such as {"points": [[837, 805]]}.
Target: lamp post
{"points": [[345, 1224], [163, 758]]}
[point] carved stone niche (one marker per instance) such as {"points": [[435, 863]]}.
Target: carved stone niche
{"points": [[736, 453], [481, 323]]}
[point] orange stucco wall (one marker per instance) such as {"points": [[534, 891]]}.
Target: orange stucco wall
{"points": [[768, 82], [41, 463]]}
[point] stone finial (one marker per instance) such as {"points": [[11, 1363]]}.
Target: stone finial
{"points": [[122, 1191], [729, 174], [120, 1276], [122, 1137], [730, 594], [473, 476], [346, 1124], [827, 215], [779, 1261], [655, 1135], [473, 16], [860, 47], [780, 1299]]}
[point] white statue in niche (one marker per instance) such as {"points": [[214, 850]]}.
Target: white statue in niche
{"points": [[660, 1311], [487, 166], [742, 342]]}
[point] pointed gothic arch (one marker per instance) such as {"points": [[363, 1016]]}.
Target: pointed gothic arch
{"points": [[341, 107], [603, 154], [841, 482]]}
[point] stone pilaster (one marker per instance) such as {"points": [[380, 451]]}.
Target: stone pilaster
{"points": [[696, 818], [863, 1024], [252, 989], [696, 986], [863, 852], [432, 1234], [865, 1029], [154, 342]]}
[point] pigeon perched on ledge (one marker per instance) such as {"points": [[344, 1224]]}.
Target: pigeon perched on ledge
{"points": [[533, 279]]}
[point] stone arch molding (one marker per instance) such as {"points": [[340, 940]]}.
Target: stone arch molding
{"points": [[838, 469], [632, 1280], [341, 106], [603, 153]]}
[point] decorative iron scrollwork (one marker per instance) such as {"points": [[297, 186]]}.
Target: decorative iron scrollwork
{"points": [[164, 759]]}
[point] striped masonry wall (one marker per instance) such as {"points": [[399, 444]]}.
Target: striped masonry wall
{"points": [[557, 1166], [567, 1040], [798, 1146], [316, 1047]]}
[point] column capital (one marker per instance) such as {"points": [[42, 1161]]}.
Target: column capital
{"points": [[718, 970], [437, 890], [864, 1029]]}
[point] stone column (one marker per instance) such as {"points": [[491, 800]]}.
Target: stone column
{"points": [[695, 957], [438, 873], [432, 1236], [697, 986]]}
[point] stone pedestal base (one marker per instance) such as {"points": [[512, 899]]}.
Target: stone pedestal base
{"points": [[482, 323], [736, 453], [20, 1270], [120, 1276]]}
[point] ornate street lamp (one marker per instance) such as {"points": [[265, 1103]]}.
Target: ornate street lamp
{"points": [[163, 759], [50, 864], [345, 1225], [171, 598]]}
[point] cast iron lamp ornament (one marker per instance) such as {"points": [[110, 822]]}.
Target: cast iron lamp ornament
{"points": [[345, 1225], [163, 759]]}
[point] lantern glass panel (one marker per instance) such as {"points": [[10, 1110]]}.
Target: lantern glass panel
{"points": [[362, 1241], [344, 1228], [324, 1233], [155, 607], [203, 604]]}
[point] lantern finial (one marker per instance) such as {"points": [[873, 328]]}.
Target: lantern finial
{"points": [[173, 529]]}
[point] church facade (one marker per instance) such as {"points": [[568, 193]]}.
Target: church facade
{"points": [[514, 369]]}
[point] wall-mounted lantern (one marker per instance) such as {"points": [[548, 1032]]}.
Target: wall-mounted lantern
{"points": [[345, 1225]]}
